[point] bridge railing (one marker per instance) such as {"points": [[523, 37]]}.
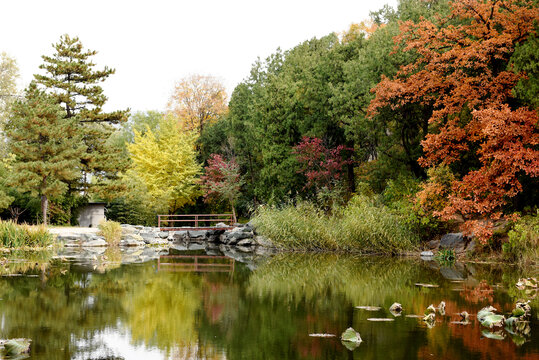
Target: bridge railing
{"points": [[207, 220], [195, 263]]}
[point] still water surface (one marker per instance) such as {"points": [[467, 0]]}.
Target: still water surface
{"points": [[100, 309]]}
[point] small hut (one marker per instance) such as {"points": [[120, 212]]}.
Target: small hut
{"points": [[92, 214]]}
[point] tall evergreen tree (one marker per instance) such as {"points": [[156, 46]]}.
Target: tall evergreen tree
{"points": [[71, 79], [46, 145]]}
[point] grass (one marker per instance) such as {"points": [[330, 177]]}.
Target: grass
{"points": [[111, 231], [13, 235], [362, 226], [522, 245]]}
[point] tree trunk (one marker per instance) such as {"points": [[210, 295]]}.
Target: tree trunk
{"points": [[44, 208], [233, 212]]}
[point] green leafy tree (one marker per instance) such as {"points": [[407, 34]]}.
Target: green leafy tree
{"points": [[73, 82], [46, 147], [165, 161]]}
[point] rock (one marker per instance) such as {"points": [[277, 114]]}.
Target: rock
{"points": [[180, 235], [138, 227], [163, 234], [245, 249], [132, 241], [455, 241], [132, 237], [129, 229], [452, 273], [197, 234], [245, 242], [156, 241], [433, 244], [262, 241], [94, 242], [233, 236], [470, 247], [427, 255], [146, 235]]}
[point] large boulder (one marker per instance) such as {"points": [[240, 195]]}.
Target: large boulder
{"points": [[455, 241], [232, 237], [197, 234]]}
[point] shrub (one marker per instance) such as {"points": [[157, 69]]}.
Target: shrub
{"points": [[361, 226], [13, 235], [111, 231], [523, 241]]}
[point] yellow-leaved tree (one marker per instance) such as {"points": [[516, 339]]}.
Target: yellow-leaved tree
{"points": [[198, 100], [165, 161]]}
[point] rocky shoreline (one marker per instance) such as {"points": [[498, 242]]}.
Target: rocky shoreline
{"points": [[241, 236]]}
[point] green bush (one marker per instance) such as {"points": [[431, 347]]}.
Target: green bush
{"points": [[361, 226], [522, 245], [400, 195], [13, 235], [111, 231]]}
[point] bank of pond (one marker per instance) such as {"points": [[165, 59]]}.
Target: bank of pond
{"points": [[131, 303]]}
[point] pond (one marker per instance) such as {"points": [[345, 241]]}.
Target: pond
{"points": [[194, 307]]}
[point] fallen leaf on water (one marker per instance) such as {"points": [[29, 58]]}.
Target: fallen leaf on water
{"points": [[427, 285], [323, 335], [380, 319], [369, 308], [498, 335], [414, 316]]}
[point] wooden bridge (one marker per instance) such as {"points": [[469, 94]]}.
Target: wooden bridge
{"points": [[199, 221], [195, 263]]}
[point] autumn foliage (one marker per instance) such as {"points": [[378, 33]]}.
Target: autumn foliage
{"points": [[222, 181], [197, 101], [462, 72], [322, 166]]}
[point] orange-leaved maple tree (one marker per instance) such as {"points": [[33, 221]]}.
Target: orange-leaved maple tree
{"points": [[462, 71]]}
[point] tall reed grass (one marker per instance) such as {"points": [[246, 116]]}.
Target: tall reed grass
{"points": [[362, 226], [111, 231], [13, 235]]}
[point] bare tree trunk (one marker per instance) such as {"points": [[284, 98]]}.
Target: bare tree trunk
{"points": [[233, 212], [44, 208]]}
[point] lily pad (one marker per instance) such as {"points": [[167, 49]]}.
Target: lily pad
{"points": [[526, 283], [380, 319], [427, 285], [489, 310], [369, 308], [350, 345], [498, 335], [430, 310], [16, 347], [441, 308], [492, 320], [323, 335], [350, 335], [395, 308]]}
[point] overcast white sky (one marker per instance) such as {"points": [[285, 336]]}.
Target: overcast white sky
{"points": [[152, 44]]}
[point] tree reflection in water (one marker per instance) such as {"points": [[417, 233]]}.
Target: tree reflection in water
{"points": [[265, 314]]}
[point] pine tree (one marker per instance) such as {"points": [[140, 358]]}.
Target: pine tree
{"points": [[73, 82], [47, 147]]}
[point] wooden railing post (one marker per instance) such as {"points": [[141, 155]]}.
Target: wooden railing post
{"points": [[196, 220], [159, 221]]}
